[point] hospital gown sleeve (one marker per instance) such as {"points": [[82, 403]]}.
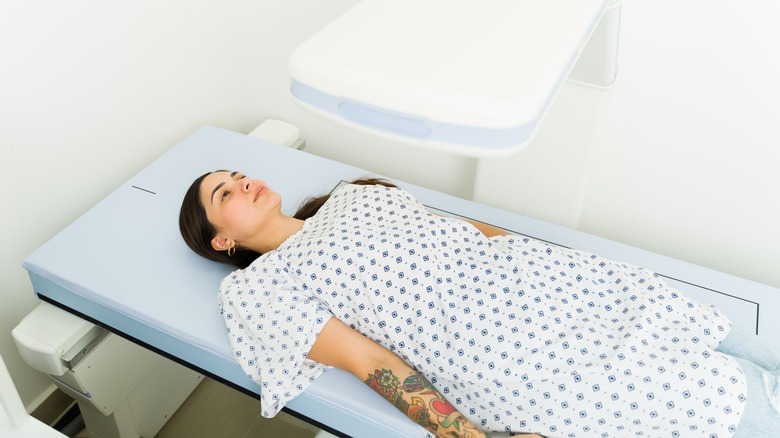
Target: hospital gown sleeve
{"points": [[271, 327]]}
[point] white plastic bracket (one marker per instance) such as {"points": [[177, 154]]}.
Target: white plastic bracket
{"points": [[278, 132]]}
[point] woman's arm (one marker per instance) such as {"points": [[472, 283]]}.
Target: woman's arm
{"points": [[487, 230], [340, 346]]}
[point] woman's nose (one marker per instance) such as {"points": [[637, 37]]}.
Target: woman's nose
{"points": [[246, 184]]}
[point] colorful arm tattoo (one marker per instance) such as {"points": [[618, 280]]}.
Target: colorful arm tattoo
{"points": [[421, 402]]}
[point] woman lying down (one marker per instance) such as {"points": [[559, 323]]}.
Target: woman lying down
{"points": [[466, 329]]}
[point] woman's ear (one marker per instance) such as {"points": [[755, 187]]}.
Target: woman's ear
{"points": [[221, 243]]}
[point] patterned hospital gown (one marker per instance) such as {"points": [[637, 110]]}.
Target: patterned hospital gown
{"points": [[518, 334]]}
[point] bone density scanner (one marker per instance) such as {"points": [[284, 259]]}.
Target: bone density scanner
{"points": [[472, 78]]}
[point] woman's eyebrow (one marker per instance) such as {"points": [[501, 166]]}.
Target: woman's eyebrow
{"points": [[232, 176], [215, 191]]}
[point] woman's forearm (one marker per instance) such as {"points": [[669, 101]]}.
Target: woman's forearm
{"points": [[341, 346], [414, 395], [487, 230]]}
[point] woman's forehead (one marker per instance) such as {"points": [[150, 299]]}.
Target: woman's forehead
{"points": [[223, 175]]}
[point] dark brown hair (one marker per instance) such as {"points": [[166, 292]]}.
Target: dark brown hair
{"points": [[197, 231]]}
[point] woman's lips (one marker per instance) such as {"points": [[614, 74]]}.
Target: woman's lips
{"points": [[259, 192]]}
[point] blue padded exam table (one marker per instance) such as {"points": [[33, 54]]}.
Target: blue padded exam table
{"points": [[124, 266]]}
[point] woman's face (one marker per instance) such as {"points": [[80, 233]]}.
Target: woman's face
{"points": [[238, 207]]}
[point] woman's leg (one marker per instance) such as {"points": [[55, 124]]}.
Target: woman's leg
{"points": [[761, 364], [745, 345], [761, 417]]}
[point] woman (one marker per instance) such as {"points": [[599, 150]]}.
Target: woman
{"points": [[464, 328]]}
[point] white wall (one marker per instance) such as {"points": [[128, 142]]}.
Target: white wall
{"points": [[687, 163], [684, 147], [90, 92]]}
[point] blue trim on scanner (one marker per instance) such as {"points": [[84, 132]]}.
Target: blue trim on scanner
{"points": [[384, 120], [409, 125]]}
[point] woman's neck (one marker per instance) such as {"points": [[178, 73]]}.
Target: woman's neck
{"points": [[276, 234]]}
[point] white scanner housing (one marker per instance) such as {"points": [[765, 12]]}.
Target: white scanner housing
{"points": [[471, 77], [50, 339], [123, 390]]}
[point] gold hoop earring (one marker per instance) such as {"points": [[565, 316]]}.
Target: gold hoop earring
{"points": [[231, 250]]}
